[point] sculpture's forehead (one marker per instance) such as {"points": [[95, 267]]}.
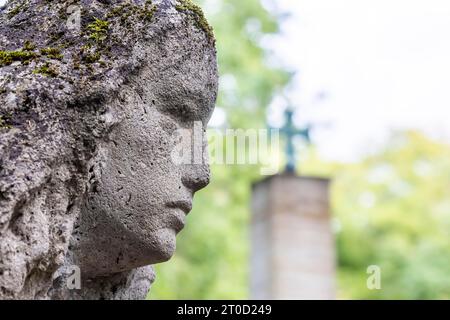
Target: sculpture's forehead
{"points": [[186, 100], [186, 85]]}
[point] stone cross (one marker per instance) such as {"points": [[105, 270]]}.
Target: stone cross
{"points": [[293, 251], [290, 132]]}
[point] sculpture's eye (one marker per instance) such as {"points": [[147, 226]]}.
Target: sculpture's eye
{"points": [[184, 112], [184, 104]]}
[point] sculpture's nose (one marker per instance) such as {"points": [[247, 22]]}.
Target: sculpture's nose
{"points": [[196, 177]]}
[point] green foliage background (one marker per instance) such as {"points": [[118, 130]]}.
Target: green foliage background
{"points": [[392, 209]]}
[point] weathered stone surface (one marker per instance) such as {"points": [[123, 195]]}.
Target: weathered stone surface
{"points": [[87, 124]]}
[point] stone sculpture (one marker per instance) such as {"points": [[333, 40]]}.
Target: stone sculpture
{"points": [[92, 93]]}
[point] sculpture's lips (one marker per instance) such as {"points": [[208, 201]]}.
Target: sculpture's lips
{"points": [[184, 205]]}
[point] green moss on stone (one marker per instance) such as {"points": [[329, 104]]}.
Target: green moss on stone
{"points": [[4, 123], [52, 53], [149, 10], [117, 11], [28, 46], [8, 57], [98, 30], [46, 70], [188, 5], [127, 10], [92, 57]]}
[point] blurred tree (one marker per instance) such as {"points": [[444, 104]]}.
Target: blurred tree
{"points": [[211, 257], [393, 210]]}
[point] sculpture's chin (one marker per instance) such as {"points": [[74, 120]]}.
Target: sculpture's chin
{"points": [[164, 245], [141, 250]]}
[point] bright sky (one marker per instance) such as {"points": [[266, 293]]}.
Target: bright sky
{"points": [[384, 64]]}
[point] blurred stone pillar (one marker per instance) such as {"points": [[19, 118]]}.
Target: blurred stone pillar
{"points": [[293, 251]]}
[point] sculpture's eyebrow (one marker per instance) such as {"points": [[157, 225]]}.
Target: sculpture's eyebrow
{"points": [[191, 107]]}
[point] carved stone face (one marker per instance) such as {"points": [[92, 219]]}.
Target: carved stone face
{"points": [[139, 196]]}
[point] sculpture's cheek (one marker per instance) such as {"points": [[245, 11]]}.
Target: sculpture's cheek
{"points": [[142, 179], [140, 200]]}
